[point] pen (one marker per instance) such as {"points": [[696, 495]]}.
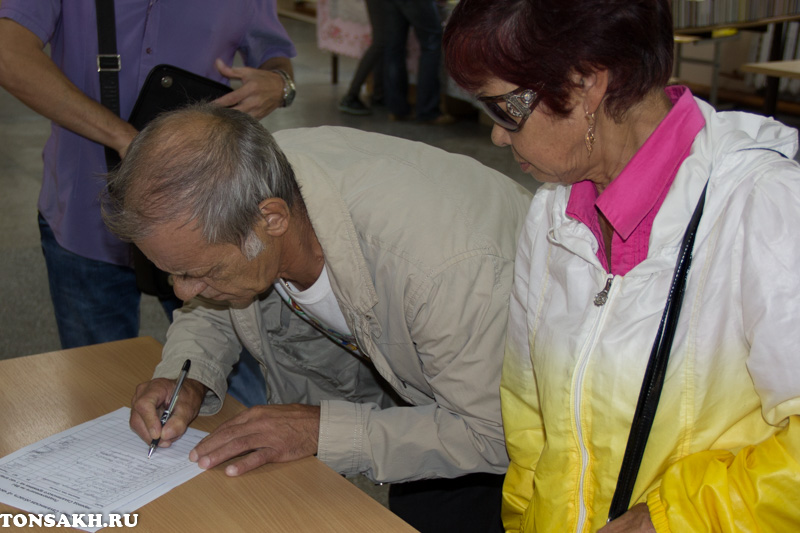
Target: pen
{"points": [[166, 414]]}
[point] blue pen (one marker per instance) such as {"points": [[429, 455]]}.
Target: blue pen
{"points": [[166, 414]]}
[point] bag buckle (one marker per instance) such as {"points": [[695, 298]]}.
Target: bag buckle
{"points": [[108, 63]]}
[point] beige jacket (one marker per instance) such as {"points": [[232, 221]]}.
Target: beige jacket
{"points": [[419, 246]]}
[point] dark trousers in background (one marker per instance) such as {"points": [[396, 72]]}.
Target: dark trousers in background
{"points": [[372, 60], [468, 504], [423, 16]]}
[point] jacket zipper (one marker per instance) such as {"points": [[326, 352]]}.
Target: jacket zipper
{"points": [[600, 299]]}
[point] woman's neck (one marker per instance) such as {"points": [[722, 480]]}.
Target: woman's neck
{"points": [[619, 141]]}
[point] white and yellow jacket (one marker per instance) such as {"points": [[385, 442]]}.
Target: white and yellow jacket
{"points": [[724, 451]]}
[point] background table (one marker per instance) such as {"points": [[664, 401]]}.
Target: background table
{"points": [[41, 395]]}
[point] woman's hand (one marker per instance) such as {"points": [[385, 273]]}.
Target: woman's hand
{"points": [[635, 520]]}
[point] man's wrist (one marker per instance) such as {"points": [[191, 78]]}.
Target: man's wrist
{"points": [[289, 89]]}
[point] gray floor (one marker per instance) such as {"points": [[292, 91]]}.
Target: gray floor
{"points": [[26, 322]]}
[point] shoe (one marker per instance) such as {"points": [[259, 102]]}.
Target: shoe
{"points": [[441, 120], [353, 106], [399, 118]]}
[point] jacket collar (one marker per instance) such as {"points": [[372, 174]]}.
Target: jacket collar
{"points": [[347, 268]]}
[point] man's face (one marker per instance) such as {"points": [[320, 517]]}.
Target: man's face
{"points": [[215, 271]]}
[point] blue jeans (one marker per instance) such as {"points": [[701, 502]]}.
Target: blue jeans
{"points": [[423, 16], [97, 302], [94, 301]]}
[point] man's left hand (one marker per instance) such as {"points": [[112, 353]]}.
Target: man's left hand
{"points": [[266, 433], [635, 520], [260, 94]]}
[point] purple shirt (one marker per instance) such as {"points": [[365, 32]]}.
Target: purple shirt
{"points": [[631, 201], [189, 34]]}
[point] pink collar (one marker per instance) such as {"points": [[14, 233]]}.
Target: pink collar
{"points": [[633, 198]]}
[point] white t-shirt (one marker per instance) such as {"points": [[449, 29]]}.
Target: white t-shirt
{"points": [[318, 306]]}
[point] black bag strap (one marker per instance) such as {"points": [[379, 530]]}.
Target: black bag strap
{"points": [[655, 372], [108, 65]]}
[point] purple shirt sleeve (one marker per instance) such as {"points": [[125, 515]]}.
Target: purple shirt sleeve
{"points": [[189, 34]]}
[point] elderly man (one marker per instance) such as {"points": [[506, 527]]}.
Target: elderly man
{"points": [[368, 275]]}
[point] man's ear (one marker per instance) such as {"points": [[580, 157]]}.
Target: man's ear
{"points": [[275, 216]]}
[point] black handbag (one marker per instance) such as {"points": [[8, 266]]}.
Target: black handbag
{"points": [[656, 371], [166, 88]]}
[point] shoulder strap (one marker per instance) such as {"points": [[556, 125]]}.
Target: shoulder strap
{"points": [[108, 64], [655, 372]]}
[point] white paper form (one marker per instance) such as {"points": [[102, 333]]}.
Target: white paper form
{"points": [[100, 466]]}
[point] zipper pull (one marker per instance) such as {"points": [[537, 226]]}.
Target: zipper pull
{"points": [[601, 297]]}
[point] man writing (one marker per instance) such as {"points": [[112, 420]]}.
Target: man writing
{"points": [[368, 275]]}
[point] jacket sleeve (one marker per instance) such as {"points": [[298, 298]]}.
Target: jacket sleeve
{"points": [[755, 488], [458, 326], [202, 331], [520, 400]]}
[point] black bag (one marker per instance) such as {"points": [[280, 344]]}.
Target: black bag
{"points": [[656, 371], [166, 88]]}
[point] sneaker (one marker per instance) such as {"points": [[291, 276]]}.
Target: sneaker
{"points": [[353, 106]]}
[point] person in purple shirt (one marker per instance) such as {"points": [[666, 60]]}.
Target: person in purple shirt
{"points": [[92, 283]]}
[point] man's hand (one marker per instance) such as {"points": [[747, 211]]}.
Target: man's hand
{"points": [[150, 400], [635, 520], [260, 94], [266, 433]]}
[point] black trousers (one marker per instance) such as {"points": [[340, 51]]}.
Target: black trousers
{"points": [[468, 504]]}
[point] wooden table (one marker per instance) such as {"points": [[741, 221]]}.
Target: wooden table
{"points": [[760, 25], [41, 395], [778, 69], [773, 70]]}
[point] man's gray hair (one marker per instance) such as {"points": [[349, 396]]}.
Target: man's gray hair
{"points": [[202, 164]]}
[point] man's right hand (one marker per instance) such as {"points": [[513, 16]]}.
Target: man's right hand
{"points": [[150, 400]]}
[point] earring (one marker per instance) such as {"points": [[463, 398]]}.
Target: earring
{"points": [[590, 138]]}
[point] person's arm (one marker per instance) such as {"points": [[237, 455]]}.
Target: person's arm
{"points": [[203, 332], [458, 325], [262, 88], [265, 46], [459, 434], [30, 75], [752, 490], [749, 490], [262, 434], [152, 397]]}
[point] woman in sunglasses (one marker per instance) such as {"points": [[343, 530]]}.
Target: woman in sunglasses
{"points": [[578, 90]]}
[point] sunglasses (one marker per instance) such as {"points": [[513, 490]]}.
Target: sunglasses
{"points": [[520, 103]]}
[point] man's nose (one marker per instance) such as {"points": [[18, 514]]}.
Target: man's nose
{"points": [[186, 289]]}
